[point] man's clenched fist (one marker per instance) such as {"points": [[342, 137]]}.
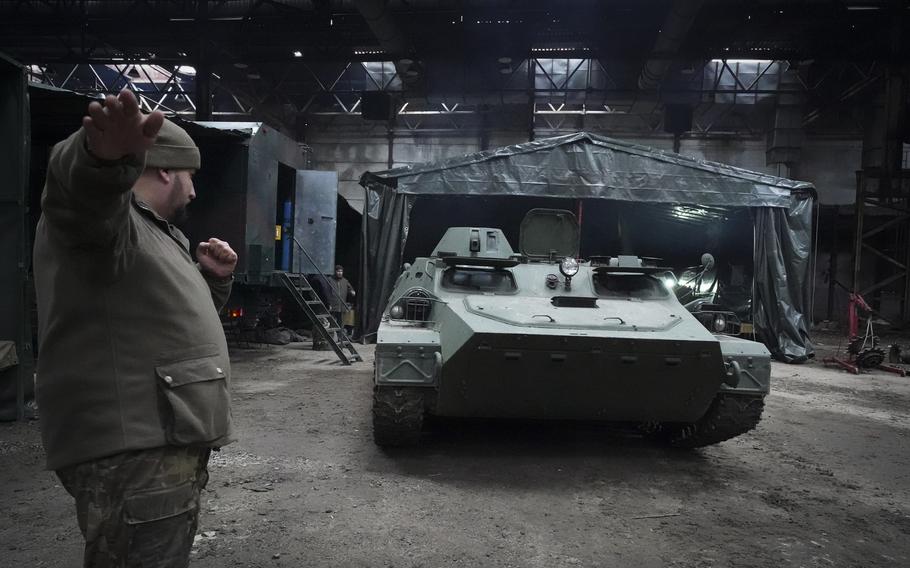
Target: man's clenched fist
{"points": [[216, 258]]}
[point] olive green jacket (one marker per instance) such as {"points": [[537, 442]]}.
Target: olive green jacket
{"points": [[343, 289], [132, 353]]}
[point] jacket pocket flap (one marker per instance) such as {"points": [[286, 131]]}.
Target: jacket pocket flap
{"points": [[159, 504], [190, 371]]}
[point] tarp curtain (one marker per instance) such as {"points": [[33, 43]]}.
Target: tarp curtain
{"points": [[386, 221], [782, 284], [587, 166]]}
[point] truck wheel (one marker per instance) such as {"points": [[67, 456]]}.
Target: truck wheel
{"points": [[397, 416]]}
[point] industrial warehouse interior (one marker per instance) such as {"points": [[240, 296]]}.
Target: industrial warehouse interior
{"points": [[433, 283]]}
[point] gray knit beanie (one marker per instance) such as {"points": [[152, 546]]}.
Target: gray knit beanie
{"points": [[173, 149]]}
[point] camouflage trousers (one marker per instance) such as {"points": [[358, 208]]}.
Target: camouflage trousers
{"points": [[140, 508]]}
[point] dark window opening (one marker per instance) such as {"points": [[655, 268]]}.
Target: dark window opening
{"points": [[284, 218], [642, 286], [466, 279]]}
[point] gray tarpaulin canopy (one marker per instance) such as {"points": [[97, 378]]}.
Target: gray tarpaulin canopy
{"points": [[588, 166]]}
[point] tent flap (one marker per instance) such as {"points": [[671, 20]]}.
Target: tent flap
{"points": [[385, 232], [783, 248]]}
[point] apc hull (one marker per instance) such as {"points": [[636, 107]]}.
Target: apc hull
{"points": [[585, 378]]}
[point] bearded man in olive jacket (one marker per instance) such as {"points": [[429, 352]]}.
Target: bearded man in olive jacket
{"points": [[133, 369]]}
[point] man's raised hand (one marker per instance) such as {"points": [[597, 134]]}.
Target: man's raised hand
{"points": [[118, 128]]}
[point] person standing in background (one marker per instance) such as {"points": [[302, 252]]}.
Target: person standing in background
{"points": [[340, 308]]}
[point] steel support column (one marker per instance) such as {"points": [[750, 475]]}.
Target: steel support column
{"points": [[883, 187], [203, 79]]}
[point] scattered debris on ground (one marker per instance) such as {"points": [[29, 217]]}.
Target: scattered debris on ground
{"points": [[822, 481]]}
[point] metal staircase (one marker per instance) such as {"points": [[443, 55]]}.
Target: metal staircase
{"points": [[324, 325]]}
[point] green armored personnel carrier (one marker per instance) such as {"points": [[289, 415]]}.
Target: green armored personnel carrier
{"points": [[478, 330]]}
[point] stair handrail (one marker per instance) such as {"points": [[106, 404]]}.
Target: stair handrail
{"points": [[338, 346], [334, 289]]}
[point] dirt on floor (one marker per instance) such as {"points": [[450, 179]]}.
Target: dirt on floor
{"points": [[823, 481]]}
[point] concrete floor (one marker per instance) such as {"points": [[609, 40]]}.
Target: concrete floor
{"points": [[823, 481]]}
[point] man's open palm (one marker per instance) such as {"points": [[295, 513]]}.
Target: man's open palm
{"points": [[119, 128]]}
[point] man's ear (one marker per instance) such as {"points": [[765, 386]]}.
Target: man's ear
{"points": [[164, 175]]}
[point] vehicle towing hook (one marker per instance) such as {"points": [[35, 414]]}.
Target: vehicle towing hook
{"points": [[734, 371]]}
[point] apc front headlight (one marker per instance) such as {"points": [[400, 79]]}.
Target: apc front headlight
{"points": [[396, 312], [569, 267], [720, 323]]}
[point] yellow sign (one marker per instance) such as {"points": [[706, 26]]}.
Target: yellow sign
{"points": [[745, 328], [277, 232]]}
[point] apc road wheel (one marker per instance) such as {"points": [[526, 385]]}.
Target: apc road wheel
{"points": [[727, 417], [397, 416]]}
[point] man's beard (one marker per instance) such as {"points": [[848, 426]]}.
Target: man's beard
{"points": [[180, 215]]}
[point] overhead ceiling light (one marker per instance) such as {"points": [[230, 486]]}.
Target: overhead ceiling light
{"points": [[412, 72], [253, 76], [861, 7], [240, 65], [558, 49], [743, 61], [298, 53], [505, 59], [406, 61]]}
